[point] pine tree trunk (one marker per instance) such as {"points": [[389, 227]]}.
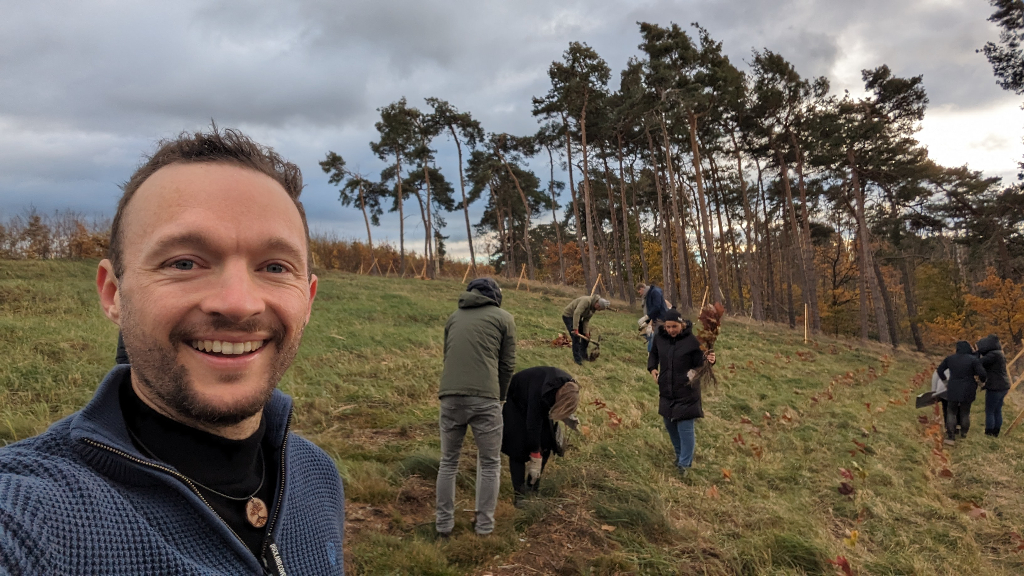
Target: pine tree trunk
{"points": [[910, 295], [366, 218], [401, 216], [645, 268], [787, 263], [588, 207], [808, 254], [619, 272], [713, 196], [716, 290], [795, 235], [575, 204], [677, 217], [750, 222], [890, 313], [465, 204], [526, 209], [554, 218], [625, 227], [866, 267], [431, 262], [769, 267], [663, 228]]}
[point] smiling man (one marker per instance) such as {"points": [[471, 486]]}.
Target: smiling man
{"points": [[183, 462]]}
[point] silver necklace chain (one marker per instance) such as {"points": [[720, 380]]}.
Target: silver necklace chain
{"points": [[263, 473]]}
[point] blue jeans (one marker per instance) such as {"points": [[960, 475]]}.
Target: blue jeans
{"points": [[683, 440], [483, 415], [994, 408]]}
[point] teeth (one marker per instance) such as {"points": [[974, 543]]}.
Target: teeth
{"points": [[221, 347]]}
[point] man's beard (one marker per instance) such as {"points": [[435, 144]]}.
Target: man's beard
{"points": [[156, 366]]}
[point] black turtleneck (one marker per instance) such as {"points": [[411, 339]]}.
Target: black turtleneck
{"points": [[232, 467]]}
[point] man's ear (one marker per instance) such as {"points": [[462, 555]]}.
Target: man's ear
{"points": [[107, 286]]}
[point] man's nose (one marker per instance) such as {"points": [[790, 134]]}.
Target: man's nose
{"points": [[236, 293]]}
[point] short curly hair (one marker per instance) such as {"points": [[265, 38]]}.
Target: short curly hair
{"points": [[227, 146]]}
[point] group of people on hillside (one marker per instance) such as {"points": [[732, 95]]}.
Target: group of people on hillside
{"points": [[956, 380], [515, 414]]}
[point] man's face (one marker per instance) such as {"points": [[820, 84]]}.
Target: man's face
{"points": [[215, 294], [641, 291]]}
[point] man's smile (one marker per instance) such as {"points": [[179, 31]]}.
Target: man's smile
{"points": [[221, 347]]}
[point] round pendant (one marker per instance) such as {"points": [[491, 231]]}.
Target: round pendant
{"points": [[256, 512]]}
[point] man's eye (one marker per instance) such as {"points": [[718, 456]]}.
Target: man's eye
{"points": [[183, 264], [275, 268]]}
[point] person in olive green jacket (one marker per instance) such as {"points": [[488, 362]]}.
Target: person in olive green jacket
{"points": [[577, 317], [479, 359]]}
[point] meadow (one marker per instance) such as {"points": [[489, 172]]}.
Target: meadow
{"points": [[812, 458]]}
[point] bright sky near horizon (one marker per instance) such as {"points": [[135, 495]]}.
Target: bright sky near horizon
{"points": [[89, 87]]}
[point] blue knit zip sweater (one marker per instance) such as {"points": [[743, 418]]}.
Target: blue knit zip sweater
{"points": [[81, 499]]}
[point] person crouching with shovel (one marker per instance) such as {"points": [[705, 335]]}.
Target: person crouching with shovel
{"points": [[540, 401]]}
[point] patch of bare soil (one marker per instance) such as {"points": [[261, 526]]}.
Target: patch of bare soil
{"points": [[413, 505], [563, 541]]}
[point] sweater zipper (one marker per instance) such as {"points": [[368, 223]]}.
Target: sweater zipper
{"points": [[280, 493], [173, 473]]}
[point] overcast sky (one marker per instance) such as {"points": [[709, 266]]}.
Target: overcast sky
{"points": [[88, 87]]}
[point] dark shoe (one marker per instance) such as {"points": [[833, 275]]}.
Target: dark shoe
{"points": [[519, 501], [995, 431], [949, 442], [578, 361], [988, 432], [963, 434], [684, 472], [443, 536]]}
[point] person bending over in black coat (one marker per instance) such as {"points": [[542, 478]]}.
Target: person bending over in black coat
{"points": [[961, 389], [537, 399], [997, 382], [673, 358]]}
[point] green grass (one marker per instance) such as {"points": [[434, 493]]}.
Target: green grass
{"points": [[365, 385]]}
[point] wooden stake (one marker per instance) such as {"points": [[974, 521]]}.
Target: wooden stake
{"points": [[466, 275], [1015, 358], [705, 300], [360, 268], [375, 263], [594, 289], [806, 325], [391, 266], [1015, 384], [1015, 422], [521, 274]]}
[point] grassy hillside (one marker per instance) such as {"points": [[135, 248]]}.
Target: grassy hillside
{"points": [[786, 422]]}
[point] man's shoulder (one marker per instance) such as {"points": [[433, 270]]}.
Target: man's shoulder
{"points": [[39, 469], [307, 454]]}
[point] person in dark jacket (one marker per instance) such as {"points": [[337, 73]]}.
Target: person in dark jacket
{"points": [[961, 389], [997, 382], [674, 357], [654, 308], [537, 399]]}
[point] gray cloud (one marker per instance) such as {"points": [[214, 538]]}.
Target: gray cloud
{"points": [[89, 87]]}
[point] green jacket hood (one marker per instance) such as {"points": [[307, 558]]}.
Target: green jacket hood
{"points": [[475, 299]]}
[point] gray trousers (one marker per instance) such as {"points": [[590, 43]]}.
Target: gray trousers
{"points": [[484, 416]]}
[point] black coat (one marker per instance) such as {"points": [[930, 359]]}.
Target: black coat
{"points": [[994, 362], [963, 367], [678, 398], [527, 426]]}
